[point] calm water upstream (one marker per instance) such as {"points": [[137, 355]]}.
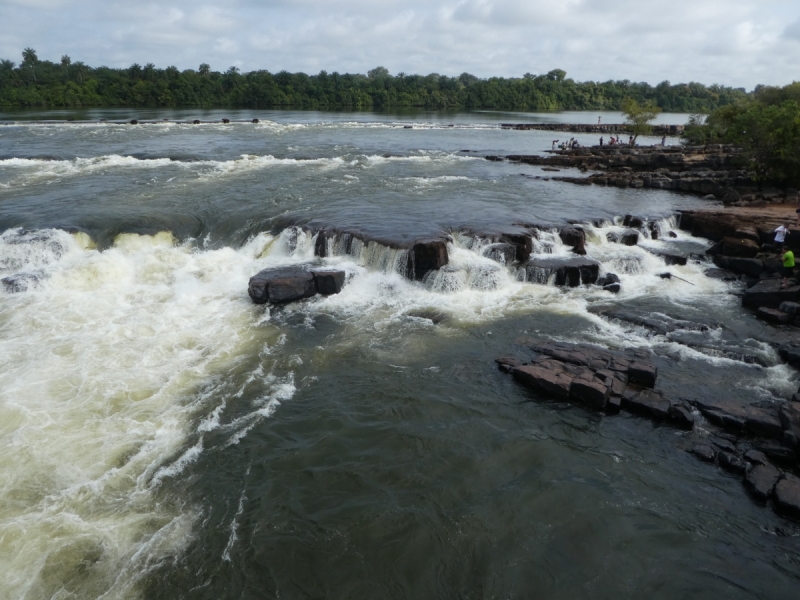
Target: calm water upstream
{"points": [[163, 437]]}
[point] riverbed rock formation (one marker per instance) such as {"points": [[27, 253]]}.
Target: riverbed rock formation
{"points": [[719, 171], [756, 442]]}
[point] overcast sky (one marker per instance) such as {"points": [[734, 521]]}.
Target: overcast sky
{"points": [[734, 42]]}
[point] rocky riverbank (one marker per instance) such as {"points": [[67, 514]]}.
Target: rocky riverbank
{"points": [[717, 171], [670, 130]]}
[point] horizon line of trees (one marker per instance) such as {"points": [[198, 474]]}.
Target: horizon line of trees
{"points": [[66, 84]]}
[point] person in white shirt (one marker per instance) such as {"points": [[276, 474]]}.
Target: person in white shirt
{"points": [[780, 236]]}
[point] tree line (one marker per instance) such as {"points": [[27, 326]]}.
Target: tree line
{"points": [[67, 84], [766, 125]]}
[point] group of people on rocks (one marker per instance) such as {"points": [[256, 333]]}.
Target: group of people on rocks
{"points": [[614, 141], [787, 256], [569, 145]]}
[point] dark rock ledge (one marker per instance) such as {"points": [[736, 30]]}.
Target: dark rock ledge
{"points": [[757, 442], [718, 171]]}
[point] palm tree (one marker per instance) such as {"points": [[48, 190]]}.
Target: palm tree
{"points": [[29, 58], [6, 65], [79, 66], [66, 61], [204, 69]]}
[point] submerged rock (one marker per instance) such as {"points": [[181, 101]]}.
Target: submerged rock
{"points": [[19, 282]]}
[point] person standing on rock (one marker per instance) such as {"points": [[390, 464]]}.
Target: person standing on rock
{"points": [[598, 120], [788, 267], [601, 145], [780, 237]]}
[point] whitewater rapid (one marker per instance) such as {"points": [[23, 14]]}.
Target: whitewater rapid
{"points": [[117, 366]]}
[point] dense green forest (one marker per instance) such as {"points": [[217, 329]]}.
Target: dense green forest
{"points": [[766, 125], [42, 83]]}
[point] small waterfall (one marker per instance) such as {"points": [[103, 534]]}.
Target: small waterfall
{"points": [[540, 275], [447, 279], [370, 254]]}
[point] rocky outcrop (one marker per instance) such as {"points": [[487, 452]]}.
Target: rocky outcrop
{"points": [[288, 284], [590, 375], [757, 442], [671, 130], [718, 171]]}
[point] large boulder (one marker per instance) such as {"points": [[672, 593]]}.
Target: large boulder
{"points": [[570, 272], [575, 237], [426, 255], [282, 284], [768, 292]]}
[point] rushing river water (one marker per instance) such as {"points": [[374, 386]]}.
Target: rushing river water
{"points": [[163, 437]]}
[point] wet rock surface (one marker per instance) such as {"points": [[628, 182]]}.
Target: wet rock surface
{"points": [[288, 284], [756, 442]]}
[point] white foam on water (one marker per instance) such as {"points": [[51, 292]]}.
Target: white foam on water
{"points": [[101, 394], [20, 172]]}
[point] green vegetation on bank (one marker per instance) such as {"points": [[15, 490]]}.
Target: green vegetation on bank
{"points": [[766, 125], [67, 84]]}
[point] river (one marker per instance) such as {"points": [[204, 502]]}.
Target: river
{"points": [[164, 437]]}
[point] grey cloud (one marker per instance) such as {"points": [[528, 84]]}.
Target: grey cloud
{"points": [[735, 42], [792, 32]]}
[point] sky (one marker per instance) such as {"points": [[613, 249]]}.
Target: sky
{"points": [[740, 43]]}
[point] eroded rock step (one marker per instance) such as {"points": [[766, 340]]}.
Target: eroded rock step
{"points": [[757, 442]]}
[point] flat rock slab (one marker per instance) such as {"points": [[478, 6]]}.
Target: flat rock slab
{"points": [[647, 403], [768, 293], [742, 418], [761, 480], [773, 315], [549, 381]]}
